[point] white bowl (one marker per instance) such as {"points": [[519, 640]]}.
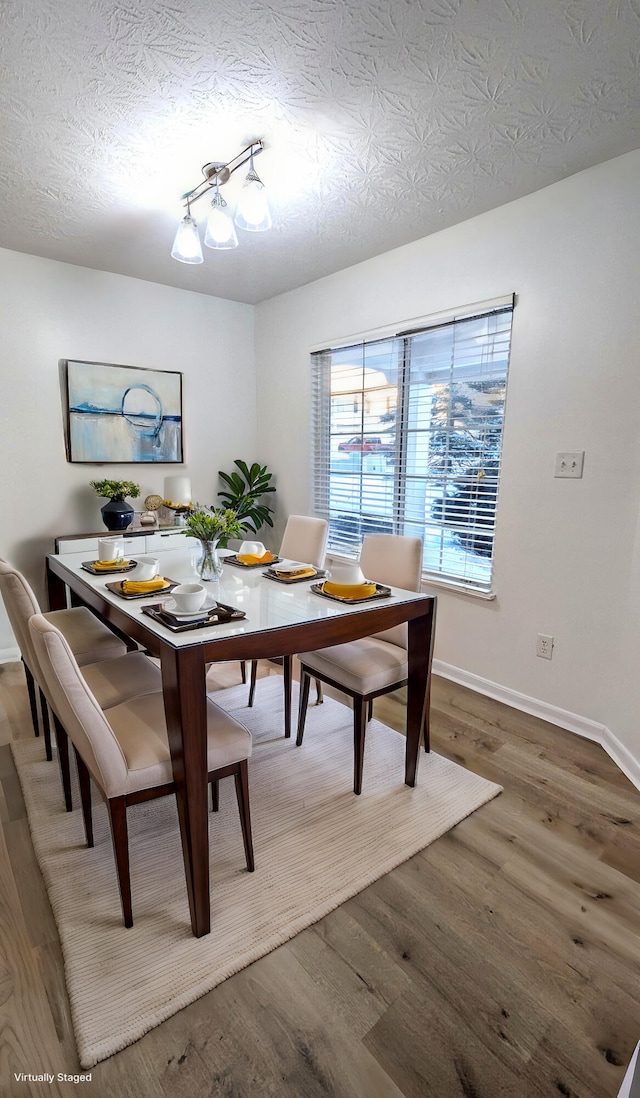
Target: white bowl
{"points": [[346, 573], [147, 568], [189, 597], [251, 548]]}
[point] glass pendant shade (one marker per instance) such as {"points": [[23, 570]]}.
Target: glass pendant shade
{"points": [[252, 213], [186, 246], [220, 232]]}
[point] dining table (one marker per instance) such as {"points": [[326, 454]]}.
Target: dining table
{"points": [[277, 619]]}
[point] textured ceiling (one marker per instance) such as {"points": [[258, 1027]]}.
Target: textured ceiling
{"points": [[382, 122]]}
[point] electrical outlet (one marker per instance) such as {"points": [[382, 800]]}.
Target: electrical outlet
{"points": [[544, 646]]}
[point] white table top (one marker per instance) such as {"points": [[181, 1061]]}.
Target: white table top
{"points": [[267, 604]]}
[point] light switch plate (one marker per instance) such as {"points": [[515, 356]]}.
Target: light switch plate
{"points": [[569, 463]]}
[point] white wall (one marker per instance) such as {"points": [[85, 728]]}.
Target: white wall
{"points": [[50, 311], [567, 552]]}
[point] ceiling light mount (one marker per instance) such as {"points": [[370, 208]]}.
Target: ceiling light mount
{"points": [[252, 212]]}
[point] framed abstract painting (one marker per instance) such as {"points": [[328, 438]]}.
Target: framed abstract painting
{"points": [[122, 414]]}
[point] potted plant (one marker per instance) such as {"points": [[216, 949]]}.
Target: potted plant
{"points": [[117, 514], [210, 526], [243, 491]]}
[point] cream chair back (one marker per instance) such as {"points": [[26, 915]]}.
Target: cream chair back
{"points": [[20, 604], [305, 539], [395, 560], [77, 708]]}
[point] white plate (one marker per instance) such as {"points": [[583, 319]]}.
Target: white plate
{"points": [[291, 566], [170, 606]]}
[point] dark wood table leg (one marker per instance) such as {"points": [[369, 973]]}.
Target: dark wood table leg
{"points": [[183, 682], [56, 591], [421, 637]]}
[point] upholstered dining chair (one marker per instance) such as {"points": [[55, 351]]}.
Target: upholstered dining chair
{"points": [[89, 640], [364, 669], [304, 539], [125, 748]]}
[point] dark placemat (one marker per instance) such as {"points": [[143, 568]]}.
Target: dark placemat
{"points": [[89, 566], [382, 592], [117, 590], [318, 574], [219, 614], [247, 567]]}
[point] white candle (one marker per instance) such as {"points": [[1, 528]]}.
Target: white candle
{"points": [[177, 489]]}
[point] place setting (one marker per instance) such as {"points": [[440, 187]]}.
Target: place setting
{"points": [[252, 554], [293, 571], [144, 580], [110, 558], [191, 606], [346, 583]]}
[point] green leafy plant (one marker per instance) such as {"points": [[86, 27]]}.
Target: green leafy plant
{"points": [[212, 524], [244, 489], [116, 489]]}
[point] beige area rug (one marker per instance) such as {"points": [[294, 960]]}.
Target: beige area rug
{"points": [[316, 845]]}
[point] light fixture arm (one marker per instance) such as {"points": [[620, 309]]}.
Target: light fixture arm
{"points": [[216, 174]]}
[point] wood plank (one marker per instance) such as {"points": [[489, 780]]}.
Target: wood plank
{"points": [[38, 917], [29, 1042]]}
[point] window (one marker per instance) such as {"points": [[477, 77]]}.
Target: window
{"points": [[407, 434]]}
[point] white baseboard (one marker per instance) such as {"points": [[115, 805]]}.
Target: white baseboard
{"points": [[582, 726], [10, 655]]}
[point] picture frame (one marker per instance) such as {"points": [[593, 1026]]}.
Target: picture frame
{"points": [[122, 415]]}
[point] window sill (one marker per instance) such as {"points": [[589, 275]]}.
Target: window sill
{"points": [[427, 580], [457, 588]]}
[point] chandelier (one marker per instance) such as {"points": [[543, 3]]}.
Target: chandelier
{"points": [[252, 209]]}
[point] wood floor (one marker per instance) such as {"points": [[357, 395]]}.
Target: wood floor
{"points": [[501, 962]]}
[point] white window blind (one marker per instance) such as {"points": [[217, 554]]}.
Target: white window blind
{"points": [[407, 436]]}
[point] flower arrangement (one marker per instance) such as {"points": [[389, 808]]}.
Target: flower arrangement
{"points": [[116, 489], [212, 524]]}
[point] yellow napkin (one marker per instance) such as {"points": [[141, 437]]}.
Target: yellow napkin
{"points": [[140, 587], [349, 590], [308, 571], [251, 558], [109, 564]]}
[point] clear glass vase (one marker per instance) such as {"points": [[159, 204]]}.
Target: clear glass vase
{"points": [[209, 566]]}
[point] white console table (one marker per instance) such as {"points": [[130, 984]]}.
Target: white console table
{"points": [[152, 540]]}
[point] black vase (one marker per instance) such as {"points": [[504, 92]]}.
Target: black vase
{"points": [[117, 514]]}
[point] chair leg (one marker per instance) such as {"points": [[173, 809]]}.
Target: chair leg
{"points": [[305, 683], [215, 796], [369, 709], [46, 727], [319, 698], [243, 670], [242, 793], [286, 666], [252, 686], [84, 780], [62, 742], [33, 705], [119, 834], [426, 729], [359, 732]]}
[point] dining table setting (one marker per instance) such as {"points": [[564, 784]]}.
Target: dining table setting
{"points": [[259, 608]]}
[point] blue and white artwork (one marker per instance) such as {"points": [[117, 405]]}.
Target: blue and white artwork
{"points": [[123, 413]]}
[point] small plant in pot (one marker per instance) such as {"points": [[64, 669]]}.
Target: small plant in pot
{"points": [[117, 514]]}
